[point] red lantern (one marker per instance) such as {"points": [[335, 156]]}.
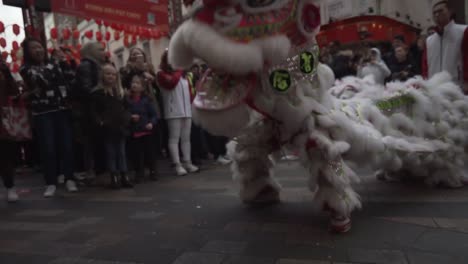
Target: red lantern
{"points": [[134, 39], [108, 36], [76, 34], [16, 29], [99, 36], [15, 45], [2, 27], [99, 22], [53, 33], [106, 24], [4, 55], [116, 35], [66, 34], [2, 42], [78, 46], [89, 34]]}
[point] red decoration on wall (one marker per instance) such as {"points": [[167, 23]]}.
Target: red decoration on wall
{"points": [[66, 34], [16, 29], [89, 34], [2, 27], [15, 46], [99, 36], [134, 39], [54, 33], [76, 34], [78, 47], [2, 42]]}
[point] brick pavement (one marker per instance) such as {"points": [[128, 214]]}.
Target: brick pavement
{"points": [[198, 219]]}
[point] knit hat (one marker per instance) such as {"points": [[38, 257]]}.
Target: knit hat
{"points": [[438, 2]]}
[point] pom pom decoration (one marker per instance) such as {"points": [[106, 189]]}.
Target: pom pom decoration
{"points": [[4, 55], [76, 34], [116, 35], [16, 29], [15, 68], [54, 33], [107, 36], [2, 42], [99, 36], [66, 34], [15, 46], [89, 34]]}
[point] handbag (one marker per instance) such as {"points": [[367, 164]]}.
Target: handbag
{"points": [[15, 122]]}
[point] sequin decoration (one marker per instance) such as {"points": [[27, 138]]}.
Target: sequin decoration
{"points": [[301, 66], [337, 167]]}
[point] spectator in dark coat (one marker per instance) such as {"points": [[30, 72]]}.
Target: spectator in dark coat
{"points": [[8, 89], [112, 118], [87, 78], [143, 122]]}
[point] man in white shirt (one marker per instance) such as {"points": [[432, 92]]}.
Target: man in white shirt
{"points": [[447, 49]]}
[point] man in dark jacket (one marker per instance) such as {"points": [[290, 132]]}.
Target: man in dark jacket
{"points": [[87, 78], [402, 65]]}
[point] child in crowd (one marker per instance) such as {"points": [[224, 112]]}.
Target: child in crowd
{"points": [[113, 120], [143, 123]]}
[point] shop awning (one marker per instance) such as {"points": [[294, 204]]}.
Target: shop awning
{"points": [[144, 13]]}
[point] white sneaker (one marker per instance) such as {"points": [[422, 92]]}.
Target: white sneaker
{"points": [[71, 186], [12, 195], [80, 176], [190, 167], [180, 170], [50, 191], [61, 179], [223, 161]]}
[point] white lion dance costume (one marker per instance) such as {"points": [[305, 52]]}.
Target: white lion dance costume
{"points": [[266, 88]]}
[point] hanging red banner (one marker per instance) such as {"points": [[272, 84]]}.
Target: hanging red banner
{"points": [[147, 13]]}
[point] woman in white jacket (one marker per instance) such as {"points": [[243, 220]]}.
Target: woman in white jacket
{"points": [[376, 67], [177, 98]]}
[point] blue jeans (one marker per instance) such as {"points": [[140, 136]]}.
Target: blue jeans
{"points": [[115, 152], [54, 139]]}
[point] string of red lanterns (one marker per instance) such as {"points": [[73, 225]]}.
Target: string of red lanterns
{"points": [[129, 34]]}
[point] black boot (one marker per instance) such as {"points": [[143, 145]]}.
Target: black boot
{"points": [[115, 181], [126, 182], [154, 176]]}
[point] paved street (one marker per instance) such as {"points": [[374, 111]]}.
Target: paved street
{"points": [[198, 219]]}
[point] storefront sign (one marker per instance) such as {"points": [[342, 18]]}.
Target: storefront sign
{"points": [[148, 13]]}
